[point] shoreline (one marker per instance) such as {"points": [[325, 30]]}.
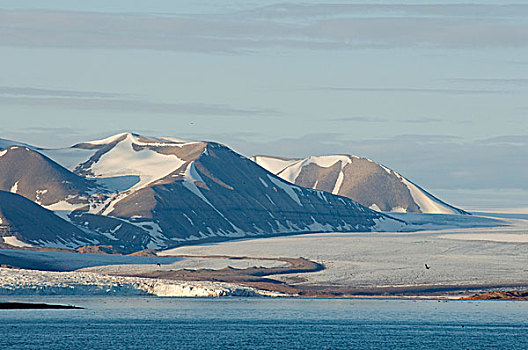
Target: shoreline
{"points": [[8, 305], [263, 279]]}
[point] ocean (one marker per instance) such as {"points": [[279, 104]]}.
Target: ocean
{"points": [[265, 323]]}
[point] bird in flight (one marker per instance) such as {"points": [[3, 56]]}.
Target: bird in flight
{"points": [[427, 267]]}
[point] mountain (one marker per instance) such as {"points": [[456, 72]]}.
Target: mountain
{"points": [[36, 177], [25, 223], [135, 192], [366, 182]]}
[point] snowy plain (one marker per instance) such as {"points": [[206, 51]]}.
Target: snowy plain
{"points": [[456, 256]]}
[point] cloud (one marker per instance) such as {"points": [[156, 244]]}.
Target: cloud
{"points": [[321, 10], [48, 130], [520, 140], [422, 120], [414, 90], [361, 119], [315, 27], [44, 136], [492, 81], [385, 120], [90, 100], [30, 91]]}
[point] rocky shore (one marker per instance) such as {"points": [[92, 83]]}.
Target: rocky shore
{"points": [[499, 295]]}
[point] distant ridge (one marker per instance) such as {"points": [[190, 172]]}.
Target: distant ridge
{"points": [[363, 180]]}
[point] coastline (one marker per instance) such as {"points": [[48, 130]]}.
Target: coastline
{"points": [[459, 263], [36, 306], [45, 283]]}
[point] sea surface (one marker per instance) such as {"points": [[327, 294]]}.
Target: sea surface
{"points": [[265, 323]]}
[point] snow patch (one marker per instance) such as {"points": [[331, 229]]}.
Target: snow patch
{"points": [[156, 233], [292, 171], [273, 164], [384, 224], [398, 210], [38, 195], [64, 205], [123, 160], [375, 207], [191, 176], [338, 183], [151, 141], [287, 188], [387, 170], [14, 188], [15, 242], [427, 203], [264, 182]]}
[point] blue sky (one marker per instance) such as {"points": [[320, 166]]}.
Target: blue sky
{"points": [[436, 91]]}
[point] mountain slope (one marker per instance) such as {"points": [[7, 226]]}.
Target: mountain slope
{"points": [[139, 192], [222, 194], [38, 178], [23, 223], [360, 179]]}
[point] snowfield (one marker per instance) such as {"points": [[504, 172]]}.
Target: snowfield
{"points": [[31, 282], [109, 263], [186, 263], [457, 256]]}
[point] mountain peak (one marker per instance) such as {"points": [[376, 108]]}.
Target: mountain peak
{"points": [[35, 176], [134, 138], [361, 179]]}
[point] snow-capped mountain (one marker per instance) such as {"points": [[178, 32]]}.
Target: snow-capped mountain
{"points": [[363, 180], [135, 192]]}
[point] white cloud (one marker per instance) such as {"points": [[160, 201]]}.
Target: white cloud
{"points": [[93, 100], [315, 27]]}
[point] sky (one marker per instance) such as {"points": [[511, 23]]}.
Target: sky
{"points": [[437, 91]]}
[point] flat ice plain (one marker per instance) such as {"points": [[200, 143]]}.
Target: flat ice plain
{"points": [[456, 256]]}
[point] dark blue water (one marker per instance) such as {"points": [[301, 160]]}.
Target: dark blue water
{"points": [[238, 323]]}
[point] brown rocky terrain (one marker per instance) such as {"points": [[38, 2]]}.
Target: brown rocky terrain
{"points": [[499, 295]]}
